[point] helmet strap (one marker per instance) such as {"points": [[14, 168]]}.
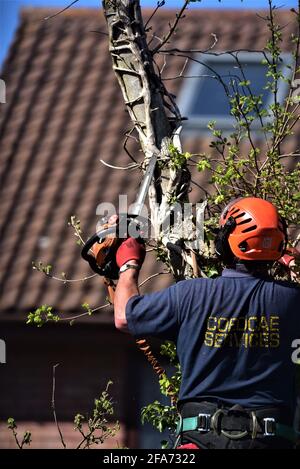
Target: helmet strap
{"points": [[285, 232]]}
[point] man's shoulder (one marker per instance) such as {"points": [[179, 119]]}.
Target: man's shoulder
{"points": [[194, 283], [284, 289], [288, 286], [206, 283]]}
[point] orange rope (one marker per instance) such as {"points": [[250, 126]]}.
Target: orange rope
{"points": [[146, 349]]}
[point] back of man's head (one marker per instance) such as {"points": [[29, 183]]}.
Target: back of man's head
{"points": [[251, 233]]}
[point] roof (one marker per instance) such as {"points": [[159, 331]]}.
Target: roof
{"points": [[64, 112]]}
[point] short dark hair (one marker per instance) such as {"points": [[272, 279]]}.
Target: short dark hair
{"points": [[253, 267]]}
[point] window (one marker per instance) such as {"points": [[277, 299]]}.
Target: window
{"points": [[203, 97]]}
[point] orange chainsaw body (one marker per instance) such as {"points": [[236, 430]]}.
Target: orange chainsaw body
{"points": [[110, 243]]}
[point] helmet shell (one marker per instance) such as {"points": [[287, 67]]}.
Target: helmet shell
{"points": [[259, 234]]}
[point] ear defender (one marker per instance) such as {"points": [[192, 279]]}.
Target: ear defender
{"points": [[221, 242]]}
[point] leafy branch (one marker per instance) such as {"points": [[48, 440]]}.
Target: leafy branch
{"points": [[47, 268], [26, 438], [76, 225], [44, 314], [97, 430], [164, 417]]}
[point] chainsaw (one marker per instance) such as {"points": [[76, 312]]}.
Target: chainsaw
{"points": [[100, 252], [100, 249]]}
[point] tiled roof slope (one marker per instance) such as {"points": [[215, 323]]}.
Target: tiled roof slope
{"points": [[64, 112]]}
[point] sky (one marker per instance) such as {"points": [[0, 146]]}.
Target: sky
{"points": [[9, 11]]}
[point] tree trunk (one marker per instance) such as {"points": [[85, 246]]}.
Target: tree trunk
{"points": [[149, 106]]}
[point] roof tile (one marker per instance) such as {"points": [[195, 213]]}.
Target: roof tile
{"points": [[64, 112]]}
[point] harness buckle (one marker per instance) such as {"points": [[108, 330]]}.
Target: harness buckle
{"points": [[269, 426], [203, 423]]}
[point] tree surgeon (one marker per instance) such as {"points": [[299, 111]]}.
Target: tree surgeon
{"points": [[233, 333]]}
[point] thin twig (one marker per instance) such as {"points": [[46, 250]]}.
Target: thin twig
{"points": [[53, 406], [151, 277], [61, 11], [206, 51], [127, 137], [15, 434], [72, 318], [130, 166], [296, 240], [66, 280], [101, 307], [289, 155], [244, 78], [176, 77], [172, 27], [98, 32], [73, 224], [158, 5], [200, 187]]}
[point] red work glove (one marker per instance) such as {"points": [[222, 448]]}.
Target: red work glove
{"points": [[290, 255], [131, 249], [286, 259]]}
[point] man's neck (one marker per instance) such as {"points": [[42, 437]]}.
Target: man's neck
{"points": [[255, 268]]}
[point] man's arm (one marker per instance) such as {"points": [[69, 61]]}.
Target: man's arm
{"points": [[132, 252], [152, 314], [127, 288]]}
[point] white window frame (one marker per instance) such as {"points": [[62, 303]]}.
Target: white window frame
{"points": [[191, 86]]}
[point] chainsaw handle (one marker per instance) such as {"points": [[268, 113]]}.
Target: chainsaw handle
{"points": [[85, 254], [120, 230]]}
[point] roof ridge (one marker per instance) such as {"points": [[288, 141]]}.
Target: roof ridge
{"points": [[80, 12]]}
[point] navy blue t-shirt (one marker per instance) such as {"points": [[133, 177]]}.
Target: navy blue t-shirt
{"points": [[233, 335]]}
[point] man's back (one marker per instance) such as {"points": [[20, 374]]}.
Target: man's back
{"points": [[235, 339], [233, 335]]}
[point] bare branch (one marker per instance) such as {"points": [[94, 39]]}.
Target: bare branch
{"points": [[151, 277], [46, 270], [158, 6], [72, 318], [53, 406], [98, 32], [173, 27], [131, 166], [61, 11]]}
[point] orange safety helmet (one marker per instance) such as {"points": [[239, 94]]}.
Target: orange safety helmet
{"points": [[252, 229]]}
